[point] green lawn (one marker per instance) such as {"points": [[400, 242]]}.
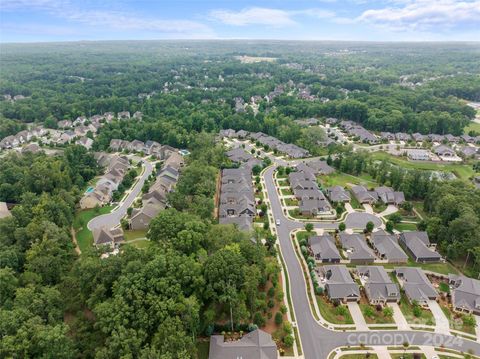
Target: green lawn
{"points": [[418, 205], [134, 234], [463, 171], [406, 307], [286, 191], [359, 356], [442, 268], [472, 126], [406, 356], [332, 314], [84, 235], [342, 179], [376, 317], [405, 227], [291, 201]]}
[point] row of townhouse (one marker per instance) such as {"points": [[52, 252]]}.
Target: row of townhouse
{"points": [[151, 148], [237, 200], [380, 289], [384, 194], [291, 150], [312, 201], [116, 168], [384, 246], [156, 199], [355, 130], [243, 158]]}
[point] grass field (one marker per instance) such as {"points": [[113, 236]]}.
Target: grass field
{"points": [[342, 179], [134, 234], [405, 227], [472, 126], [462, 171], [84, 235]]}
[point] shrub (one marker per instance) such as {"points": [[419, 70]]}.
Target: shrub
{"points": [[368, 311], [271, 292], [388, 312], [283, 309], [271, 303], [288, 341], [342, 227], [341, 310], [278, 318], [287, 328], [258, 319]]}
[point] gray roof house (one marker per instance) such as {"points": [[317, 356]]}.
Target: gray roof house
{"points": [[357, 248], [419, 247], [4, 211], [388, 196], [312, 207], [338, 194], [363, 195], [320, 167], [141, 217], [339, 284], [238, 155], [444, 151], [378, 285], [387, 247], [418, 137], [418, 154], [104, 236], [324, 248], [416, 285], [254, 345], [465, 294]]}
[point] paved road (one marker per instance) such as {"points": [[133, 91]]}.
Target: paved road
{"points": [[318, 341], [113, 218]]}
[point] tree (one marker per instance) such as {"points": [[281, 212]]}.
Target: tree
{"points": [[369, 227], [389, 226], [388, 312], [342, 227], [278, 318], [309, 227]]}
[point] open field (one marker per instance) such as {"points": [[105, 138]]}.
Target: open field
{"points": [[343, 179], [463, 171], [472, 126]]}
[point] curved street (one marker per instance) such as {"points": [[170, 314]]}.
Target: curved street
{"points": [[317, 341], [113, 218]]}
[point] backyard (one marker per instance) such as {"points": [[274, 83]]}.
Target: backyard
{"points": [[83, 234]]}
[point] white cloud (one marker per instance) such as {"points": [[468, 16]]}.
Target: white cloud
{"points": [[266, 16], [424, 14]]}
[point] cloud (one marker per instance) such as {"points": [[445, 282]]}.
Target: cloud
{"points": [[424, 14], [266, 16], [112, 20]]}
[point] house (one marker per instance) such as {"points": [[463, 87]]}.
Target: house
{"points": [[141, 217], [320, 167], [465, 294], [137, 146], [416, 285], [9, 142], [468, 151], [103, 236], [338, 194], [443, 151], [363, 195], [4, 211], [64, 124], [242, 134], [307, 122], [109, 116], [467, 138], [302, 180], [387, 136], [356, 248], [400, 136], [388, 196], [387, 247], [93, 199], [418, 137], [124, 115], [254, 345], [419, 247], [313, 207], [418, 154], [340, 286], [31, 147], [238, 155], [175, 160], [324, 248], [85, 142], [379, 287], [302, 167], [451, 138], [23, 136], [137, 115], [229, 133], [435, 138]]}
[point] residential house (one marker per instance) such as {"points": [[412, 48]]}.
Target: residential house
{"points": [[435, 138], [324, 248], [379, 287], [418, 137], [229, 133], [356, 248], [9, 142], [175, 160], [444, 151], [64, 124], [31, 147], [388, 196], [242, 134], [419, 247], [238, 155], [387, 247], [418, 154], [137, 146], [137, 115], [254, 345], [416, 285], [400, 136], [85, 142], [469, 152], [465, 294], [124, 115], [4, 211], [387, 136], [313, 207], [80, 120], [338, 194], [141, 217], [451, 138], [363, 195], [340, 286], [320, 167], [104, 236], [467, 138]]}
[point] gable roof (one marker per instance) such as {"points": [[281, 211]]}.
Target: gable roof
{"points": [[466, 293], [378, 285], [417, 242], [254, 345], [388, 247], [324, 247], [358, 246], [416, 284], [339, 282]]}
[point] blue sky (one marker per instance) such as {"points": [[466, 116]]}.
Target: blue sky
{"points": [[374, 20]]}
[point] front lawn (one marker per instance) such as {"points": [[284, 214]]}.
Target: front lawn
{"points": [[359, 356], [406, 356], [83, 234], [332, 314], [286, 191], [374, 316], [424, 316], [402, 227], [291, 201]]}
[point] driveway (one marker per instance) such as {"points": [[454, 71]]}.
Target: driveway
{"points": [[368, 208], [357, 316], [359, 220], [477, 328], [441, 321], [398, 317], [389, 210], [113, 218], [349, 208]]}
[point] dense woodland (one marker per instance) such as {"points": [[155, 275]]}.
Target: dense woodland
{"points": [[154, 304]]}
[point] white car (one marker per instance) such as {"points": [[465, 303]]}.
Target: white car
{"points": [[278, 222]]}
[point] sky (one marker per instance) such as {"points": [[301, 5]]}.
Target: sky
{"points": [[358, 20]]}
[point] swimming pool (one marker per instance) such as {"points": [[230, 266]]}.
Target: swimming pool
{"points": [[89, 189]]}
